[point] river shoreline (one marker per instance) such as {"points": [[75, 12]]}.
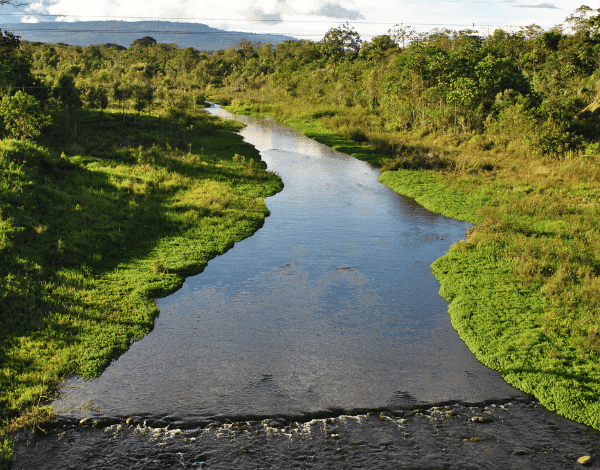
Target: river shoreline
{"points": [[87, 258], [505, 433], [335, 292], [498, 314]]}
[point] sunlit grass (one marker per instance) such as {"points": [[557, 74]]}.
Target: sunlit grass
{"points": [[94, 227], [525, 285]]}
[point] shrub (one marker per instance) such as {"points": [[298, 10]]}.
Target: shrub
{"points": [[23, 115], [515, 126]]}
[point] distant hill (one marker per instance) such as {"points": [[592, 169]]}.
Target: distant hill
{"points": [[85, 33]]}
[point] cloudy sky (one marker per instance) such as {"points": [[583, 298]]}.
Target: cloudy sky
{"points": [[309, 19]]}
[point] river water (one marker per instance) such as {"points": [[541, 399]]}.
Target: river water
{"points": [[329, 311]]}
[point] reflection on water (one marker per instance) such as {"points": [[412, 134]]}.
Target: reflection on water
{"points": [[330, 306]]}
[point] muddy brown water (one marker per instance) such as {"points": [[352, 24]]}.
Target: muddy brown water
{"points": [[320, 341]]}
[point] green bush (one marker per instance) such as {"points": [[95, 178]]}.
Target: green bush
{"points": [[23, 115]]}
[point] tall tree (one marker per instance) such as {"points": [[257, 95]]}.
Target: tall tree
{"points": [[578, 21], [144, 42], [341, 40], [65, 90], [15, 69]]}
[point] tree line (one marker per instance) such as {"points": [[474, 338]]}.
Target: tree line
{"points": [[531, 90]]}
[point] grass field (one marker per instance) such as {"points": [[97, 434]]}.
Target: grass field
{"points": [[94, 226]]}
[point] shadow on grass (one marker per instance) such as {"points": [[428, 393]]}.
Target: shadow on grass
{"points": [[88, 206], [381, 153]]}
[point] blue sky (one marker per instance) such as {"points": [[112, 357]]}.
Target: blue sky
{"points": [[310, 19]]}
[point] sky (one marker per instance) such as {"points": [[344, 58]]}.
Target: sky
{"points": [[309, 19]]}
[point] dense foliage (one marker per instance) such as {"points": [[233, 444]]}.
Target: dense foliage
{"points": [[530, 91]]}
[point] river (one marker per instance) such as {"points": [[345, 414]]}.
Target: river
{"points": [[323, 331]]}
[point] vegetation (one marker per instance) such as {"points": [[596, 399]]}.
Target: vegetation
{"points": [[501, 131], [104, 212], [107, 211]]}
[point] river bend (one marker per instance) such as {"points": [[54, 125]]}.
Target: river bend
{"points": [[331, 306]]}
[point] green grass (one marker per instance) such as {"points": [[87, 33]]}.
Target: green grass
{"points": [[503, 317], [95, 226], [525, 285], [430, 191]]}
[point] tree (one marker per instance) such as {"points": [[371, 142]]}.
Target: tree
{"points": [[531, 32], [247, 49], [496, 74], [121, 93], [341, 40], [378, 47], [550, 39], [23, 115], [578, 21], [144, 42], [65, 90], [143, 95], [9, 47], [15, 68], [97, 97], [402, 35], [463, 95]]}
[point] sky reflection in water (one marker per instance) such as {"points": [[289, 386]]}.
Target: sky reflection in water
{"points": [[331, 305]]}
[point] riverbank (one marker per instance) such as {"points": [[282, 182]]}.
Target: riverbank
{"points": [[95, 224], [524, 287]]}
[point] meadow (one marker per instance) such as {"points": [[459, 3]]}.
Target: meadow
{"points": [[95, 226]]}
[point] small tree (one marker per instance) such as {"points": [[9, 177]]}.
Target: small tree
{"points": [[143, 96], [97, 97], [23, 115], [402, 35], [102, 95], [531, 32], [463, 95], [144, 42], [121, 93]]}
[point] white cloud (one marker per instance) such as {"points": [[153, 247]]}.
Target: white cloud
{"points": [[30, 19], [38, 7], [312, 18], [259, 15], [67, 19], [541, 5], [335, 10]]}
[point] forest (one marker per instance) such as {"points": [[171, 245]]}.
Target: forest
{"points": [[501, 130]]}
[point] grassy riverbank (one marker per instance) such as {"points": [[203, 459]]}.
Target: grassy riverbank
{"points": [[525, 285], [95, 225]]}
